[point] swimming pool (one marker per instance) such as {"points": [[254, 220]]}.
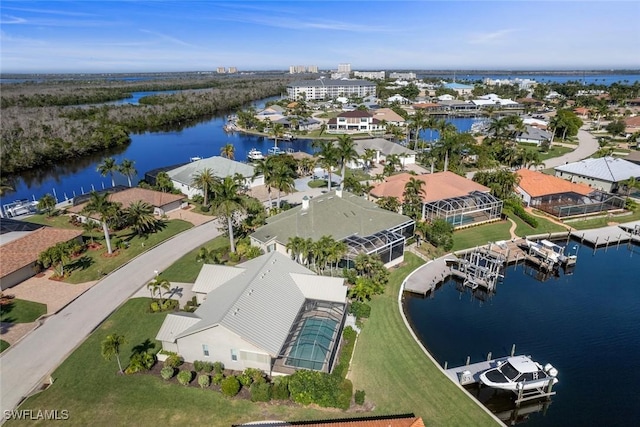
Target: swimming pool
{"points": [[313, 343]]}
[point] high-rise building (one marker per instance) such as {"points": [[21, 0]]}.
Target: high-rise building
{"points": [[369, 74], [344, 68], [312, 69], [221, 70], [233, 70]]}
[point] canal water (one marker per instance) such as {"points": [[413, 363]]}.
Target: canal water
{"points": [[586, 324], [152, 150]]}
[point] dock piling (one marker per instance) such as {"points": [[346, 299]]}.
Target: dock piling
{"points": [[468, 360], [488, 356], [513, 350]]}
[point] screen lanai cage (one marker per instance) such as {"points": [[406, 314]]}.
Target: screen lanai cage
{"points": [[387, 244], [473, 208], [566, 205]]}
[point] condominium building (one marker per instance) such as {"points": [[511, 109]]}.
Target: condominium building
{"points": [[326, 88], [403, 76], [344, 68], [233, 70], [221, 70], [379, 75]]}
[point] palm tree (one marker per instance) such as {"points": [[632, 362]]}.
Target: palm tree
{"points": [[111, 347], [204, 180], [276, 131], [227, 200], [294, 247], [412, 198], [128, 169], [57, 255], [139, 216], [228, 151], [368, 157], [163, 182], [108, 167], [47, 203], [335, 253], [346, 152], [283, 179], [266, 168], [106, 210], [328, 157], [157, 285]]}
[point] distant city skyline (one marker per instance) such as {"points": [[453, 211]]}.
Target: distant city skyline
{"points": [[154, 36]]}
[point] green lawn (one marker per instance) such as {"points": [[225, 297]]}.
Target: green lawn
{"points": [[4, 345], [544, 226], [555, 151], [603, 221], [94, 394], [92, 264], [397, 376], [481, 235], [58, 221], [186, 269], [359, 174], [22, 311]]}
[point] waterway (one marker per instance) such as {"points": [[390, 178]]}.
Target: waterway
{"points": [[586, 324], [587, 78], [152, 150]]}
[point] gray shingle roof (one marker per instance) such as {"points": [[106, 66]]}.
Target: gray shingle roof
{"points": [[220, 167], [386, 147], [261, 303], [609, 169], [328, 214]]}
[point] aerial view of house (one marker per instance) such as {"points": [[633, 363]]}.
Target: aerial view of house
{"points": [[269, 313], [162, 203], [604, 173]]}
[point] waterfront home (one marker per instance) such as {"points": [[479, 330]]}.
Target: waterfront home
{"points": [[21, 243], [221, 167], [399, 99], [389, 116], [161, 202], [268, 313], [493, 100], [447, 196], [604, 173], [291, 122], [355, 121], [632, 124], [562, 198], [361, 224], [382, 148]]}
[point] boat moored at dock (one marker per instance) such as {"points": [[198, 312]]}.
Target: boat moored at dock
{"points": [[254, 155], [519, 373]]}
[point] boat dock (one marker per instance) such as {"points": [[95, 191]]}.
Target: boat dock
{"points": [[427, 277], [610, 235]]}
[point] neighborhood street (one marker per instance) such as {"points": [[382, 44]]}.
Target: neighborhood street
{"points": [[24, 366]]}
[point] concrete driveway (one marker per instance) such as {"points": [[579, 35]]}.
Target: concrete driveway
{"points": [[24, 366]]}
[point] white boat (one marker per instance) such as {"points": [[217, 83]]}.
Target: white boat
{"points": [[547, 250], [255, 154], [519, 373], [274, 151], [195, 158]]}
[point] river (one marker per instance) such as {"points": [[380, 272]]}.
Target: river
{"points": [[585, 324]]}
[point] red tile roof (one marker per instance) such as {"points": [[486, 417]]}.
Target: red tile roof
{"points": [[130, 195], [355, 113], [538, 184], [25, 250], [437, 186], [632, 121]]}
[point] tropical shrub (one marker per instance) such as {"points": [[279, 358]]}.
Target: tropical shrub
{"points": [[515, 206], [204, 380], [217, 378], [218, 367], [249, 376], [198, 365], [207, 367], [326, 390], [280, 389], [343, 400], [167, 372], [230, 386], [185, 377], [142, 361], [155, 307], [349, 336], [360, 309], [260, 391], [359, 397], [174, 361]]}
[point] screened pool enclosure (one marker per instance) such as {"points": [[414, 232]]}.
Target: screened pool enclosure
{"points": [[474, 208]]}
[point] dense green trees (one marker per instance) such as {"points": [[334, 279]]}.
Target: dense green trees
{"points": [[140, 217], [565, 123], [502, 182]]}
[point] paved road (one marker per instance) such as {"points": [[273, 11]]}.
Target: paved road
{"points": [[587, 145], [24, 366]]}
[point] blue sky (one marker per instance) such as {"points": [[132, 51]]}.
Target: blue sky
{"points": [[147, 36]]}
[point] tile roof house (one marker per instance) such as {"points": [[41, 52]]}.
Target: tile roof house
{"points": [[221, 167], [19, 255], [632, 124], [390, 116], [447, 196], [361, 224], [260, 314], [161, 202], [604, 173], [562, 198]]}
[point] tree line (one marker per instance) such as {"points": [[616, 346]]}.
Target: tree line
{"points": [[37, 136]]}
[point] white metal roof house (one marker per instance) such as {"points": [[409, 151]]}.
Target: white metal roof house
{"points": [[221, 167], [383, 148], [269, 313], [604, 173]]}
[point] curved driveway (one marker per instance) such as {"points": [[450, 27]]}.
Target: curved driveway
{"points": [[24, 366]]}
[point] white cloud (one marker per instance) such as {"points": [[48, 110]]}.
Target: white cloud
{"points": [[492, 37]]}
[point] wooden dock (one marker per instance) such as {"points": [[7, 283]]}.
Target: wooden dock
{"points": [[427, 277], [610, 235]]}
